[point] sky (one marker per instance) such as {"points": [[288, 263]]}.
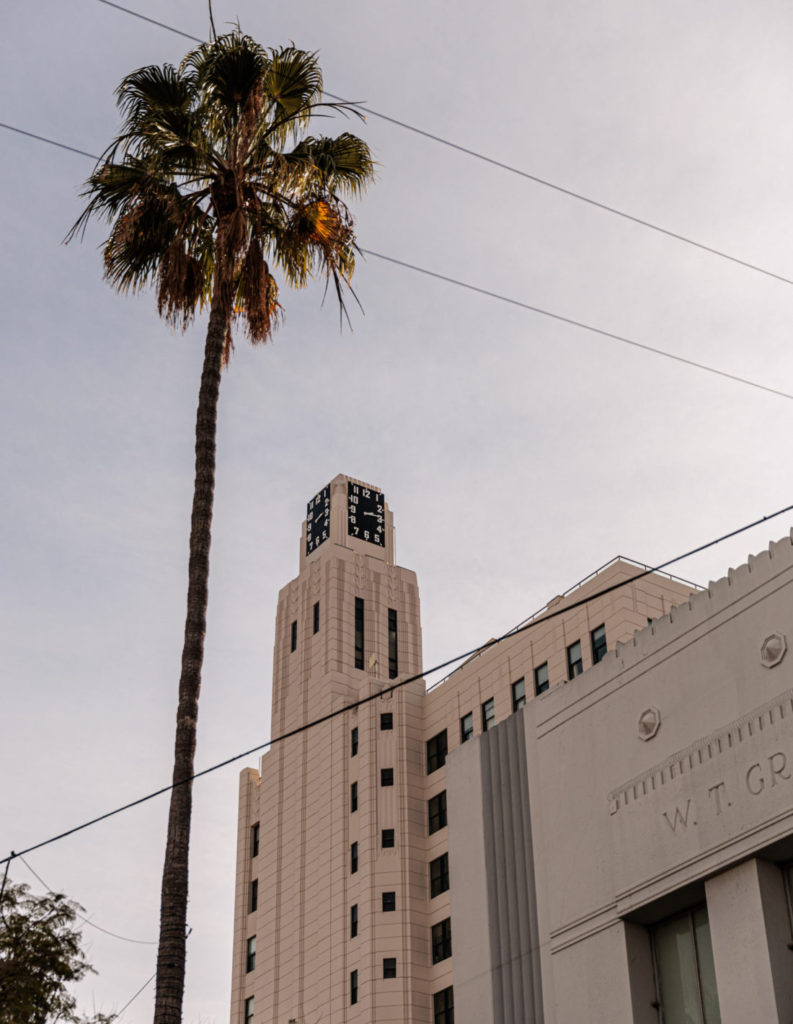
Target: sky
{"points": [[518, 453]]}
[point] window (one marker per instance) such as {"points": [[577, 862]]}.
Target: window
{"points": [[316, 617], [488, 714], [575, 664], [386, 721], [436, 752], [598, 644], [250, 954], [436, 812], [249, 1010], [255, 839], [466, 727], [541, 678], [389, 967], [386, 776], [389, 902], [353, 920], [354, 742], [388, 838], [353, 988], [442, 940], [443, 1007], [393, 661], [359, 632], [439, 875], [353, 858], [518, 694], [253, 899], [294, 636], [685, 974], [353, 798]]}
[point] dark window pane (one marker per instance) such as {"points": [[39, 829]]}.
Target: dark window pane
{"points": [[442, 940], [316, 617], [386, 776], [518, 694], [436, 752], [250, 954], [541, 678], [253, 901], [353, 987], [488, 714], [439, 875], [359, 632], [353, 920], [436, 812], [353, 858], [354, 742], [598, 644], [255, 839], [393, 661], [249, 1010], [389, 901], [386, 721], [353, 797], [294, 636], [443, 1007], [389, 967], [466, 727], [575, 663], [388, 837]]}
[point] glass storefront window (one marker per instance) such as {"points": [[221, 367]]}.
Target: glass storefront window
{"points": [[685, 974]]}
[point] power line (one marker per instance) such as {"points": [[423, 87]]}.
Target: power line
{"points": [[129, 1002], [544, 182], [396, 686], [503, 298]]}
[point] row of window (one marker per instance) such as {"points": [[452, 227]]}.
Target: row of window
{"points": [[439, 867], [442, 1002], [393, 636], [441, 933]]}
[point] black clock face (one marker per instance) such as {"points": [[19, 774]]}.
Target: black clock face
{"points": [[365, 514], [318, 519]]}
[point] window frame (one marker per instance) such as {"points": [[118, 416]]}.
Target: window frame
{"points": [[293, 637], [436, 813], [255, 840], [386, 777], [253, 896], [575, 667], [354, 858], [488, 713], [354, 741], [598, 651], [441, 940], [443, 1014], [389, 967], [541, 685], [439, 879], [353, 987], [519, 695], [359, 632], [437, 749], [353, 797], [250, 954], [316, 617], [248, 1009], [386, 721], [388, 902], [393, 644], [354, 921], [388, 839], [464, 734]]}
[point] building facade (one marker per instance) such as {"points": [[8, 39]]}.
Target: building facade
{"points": [[556, 832]]}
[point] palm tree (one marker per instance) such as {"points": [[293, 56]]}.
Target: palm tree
{"points": [[206, 200]]}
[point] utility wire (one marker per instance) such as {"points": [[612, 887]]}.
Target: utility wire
{"points": [[86, 920], [129, 1002], [397, 686], [504, 298], [506, 167]]}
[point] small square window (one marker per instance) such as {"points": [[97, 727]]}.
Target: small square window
{"points": [[437, 748], [518, 694], [466, 727], [389, 967], [436, 812], [294, 636], [439, 875], [443, 1007], [389, 902], [575, 662], [316, 616], [388, 838], [386, 776], [353, 988], [354, 742], [250, 954], [488, 714], [253, 896], [598, 644], [353, 858], [255, 840], [249, 1010], [353, 798], [442, 940], [541, 678], [386, 721], [353, 920]]}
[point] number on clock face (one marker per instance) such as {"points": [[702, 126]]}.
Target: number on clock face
{"points": [[365, 514], [318, 520]]}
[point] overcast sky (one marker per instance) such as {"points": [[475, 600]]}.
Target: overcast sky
{"points": [[517, 453]]}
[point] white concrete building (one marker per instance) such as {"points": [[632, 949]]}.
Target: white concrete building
{"points": [[589, 821]]}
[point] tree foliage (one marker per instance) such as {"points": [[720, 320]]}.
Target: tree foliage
{"points": [[40, 956]]}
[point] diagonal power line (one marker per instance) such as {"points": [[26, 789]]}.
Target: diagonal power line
{"points": [[510, 168]]}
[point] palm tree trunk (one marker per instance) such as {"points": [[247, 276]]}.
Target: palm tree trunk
{"points": [[173, 900]]}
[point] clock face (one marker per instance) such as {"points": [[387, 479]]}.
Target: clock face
{"points": [[365, 514], [318, 519]]}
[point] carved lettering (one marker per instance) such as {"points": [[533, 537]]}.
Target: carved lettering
{"points": [[755, 782], [778, 763], [679, 818], [717, 792]]}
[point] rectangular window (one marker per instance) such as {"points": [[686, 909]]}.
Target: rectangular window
{"points": [[393, 661], [388, 838], [386, 776], [436, 752], [389, 902], [575, 664], [250, 954], [598, 644], [466, 727], [518, 694], [541, 678], [249, 1010], [443, 1007], [353, 798], [359, 632], [442, 940], [436, 812], [354, 742], [294, 636], [684, 970], [386, 721], [353, 858], [253, 899], [389, 967], [439, 875], [353, 988], [255, 840], [488, 714], [316, 616], [353, 920]]}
